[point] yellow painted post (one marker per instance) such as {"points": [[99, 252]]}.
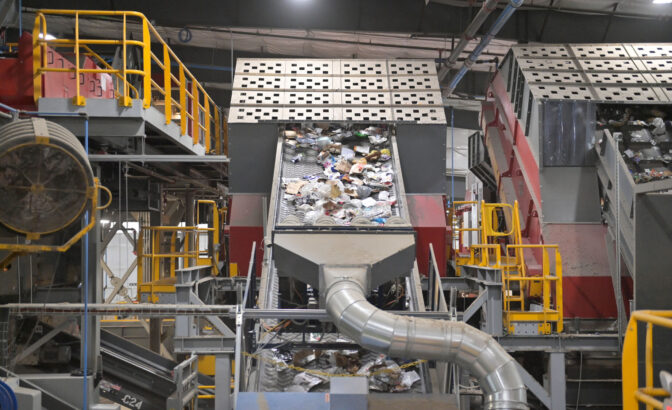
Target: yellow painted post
{"points": [[215, 234], [206, 104], [195, 122], [225, 136], [218, 133], [545, 282], [147, 64], [558, 289], [37, 58], [629, 366], [167, 85], [125, 100], [78, 100], [183, 101], [648, 363], [173, 237], [155, 250], [186, 249], [140, 255]]}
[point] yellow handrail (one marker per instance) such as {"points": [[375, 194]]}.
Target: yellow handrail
{"points": [[510, 259], [199, 107], [189, 255], [632, 393]]}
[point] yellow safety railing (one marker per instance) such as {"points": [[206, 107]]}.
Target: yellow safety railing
{"points": [[510, 259], [633, 395], [183, 98], [159, 249]]}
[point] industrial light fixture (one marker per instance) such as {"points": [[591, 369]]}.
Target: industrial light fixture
{"points": [[47, 37], [662, 1]]}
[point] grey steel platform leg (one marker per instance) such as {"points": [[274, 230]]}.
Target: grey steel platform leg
{"points": [[557, 380], [223, 382]]}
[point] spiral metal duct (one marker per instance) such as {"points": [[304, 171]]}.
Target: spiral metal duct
{"points": [[45, 177], [410, 337]]}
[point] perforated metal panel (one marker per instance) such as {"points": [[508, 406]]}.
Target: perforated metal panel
{"points": [[336, 90], [608, 65], [417, 98], [414, 83], [422, 115], [255, 114], [555, 77], [599, 51], [546, 64], [255, 66], [658, 65], [309, 67], [652, 50], [616, 78], [602, 72], [310, 83], [258, 82], [367, 114], [365, 98], [296, 113], [309, 98], [364, 67], [364, 83], [562, 92], [542, 51], [410, 67], [634, 94], [662, 78], [253, 97]]}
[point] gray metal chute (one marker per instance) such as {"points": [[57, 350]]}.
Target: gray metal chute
{"points": [[411, 337]]}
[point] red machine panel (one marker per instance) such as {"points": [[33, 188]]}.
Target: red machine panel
{"points": [[428, 217], [245, 227], [587, 286], [18, 91], [16, 87]]}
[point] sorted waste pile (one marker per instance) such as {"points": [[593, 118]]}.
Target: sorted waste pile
{"points": [[348, 174], [644, 141], [318, 366]]}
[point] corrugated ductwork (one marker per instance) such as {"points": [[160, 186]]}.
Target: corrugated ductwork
{"points": [[410, 337]]}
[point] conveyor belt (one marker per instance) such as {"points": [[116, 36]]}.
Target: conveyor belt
{"points": [[131, 373], [308, 165]]}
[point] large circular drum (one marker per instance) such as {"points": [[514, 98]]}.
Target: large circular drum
{"points": [[45, 177]]}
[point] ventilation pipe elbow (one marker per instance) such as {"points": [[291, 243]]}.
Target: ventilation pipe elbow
{"points": [[411, 337]]}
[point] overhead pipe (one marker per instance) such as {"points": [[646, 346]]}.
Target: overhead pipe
{"points": [[488, 7], [418, 338], [496, 27]]}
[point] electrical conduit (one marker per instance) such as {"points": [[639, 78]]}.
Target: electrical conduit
{"points": [[496, 27]]}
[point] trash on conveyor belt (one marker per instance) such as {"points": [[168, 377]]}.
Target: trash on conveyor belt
{"points": [[313, 368], [339, 173], [644, 140]]}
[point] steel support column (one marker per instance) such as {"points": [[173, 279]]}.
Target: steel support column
{"points": [[223, 382], [557, 380]]}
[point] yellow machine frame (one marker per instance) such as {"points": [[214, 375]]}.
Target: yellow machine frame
{"points": [[204, 112], [633, 395]]}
